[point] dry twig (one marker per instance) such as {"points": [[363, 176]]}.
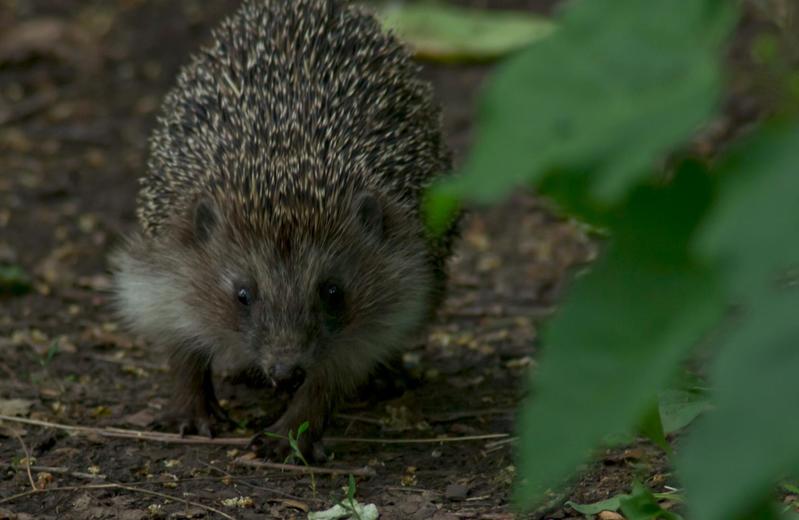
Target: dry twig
{"points": [[357, 472], [120, 433], [174, 438], [59, 470], [242, 480], [27, 460], [431, 440], [118, 486]]}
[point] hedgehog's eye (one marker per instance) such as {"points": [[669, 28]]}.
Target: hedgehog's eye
{"points": [[244, 296], [332, 297]]}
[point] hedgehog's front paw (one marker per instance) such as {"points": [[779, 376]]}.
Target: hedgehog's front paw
{"points": [[274, 444], [198, 416]]}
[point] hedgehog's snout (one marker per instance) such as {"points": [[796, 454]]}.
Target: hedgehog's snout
{"points": [[286, 375]]}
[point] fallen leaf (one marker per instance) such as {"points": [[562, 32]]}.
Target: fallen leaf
{"points": [[100, 411], [100, 337], [445, 33], [240, 502], [15, 407], [49, 38], [609, 515], [82, 502], [191, 512], [349, 510], [97, 282], [6, 514], [142, 418], [296, 504], [44, 479]]}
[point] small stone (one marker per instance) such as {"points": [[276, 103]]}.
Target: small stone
{"points": [[456, 492], [8, 255]]}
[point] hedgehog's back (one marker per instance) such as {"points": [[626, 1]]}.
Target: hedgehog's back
{"points": [[294, 102]]}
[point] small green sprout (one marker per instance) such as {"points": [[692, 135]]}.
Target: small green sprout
{"points": [[296, 452], [52, 350]]}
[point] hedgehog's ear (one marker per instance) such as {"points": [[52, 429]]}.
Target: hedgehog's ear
{"points": [[204, 219], [370, 215]]}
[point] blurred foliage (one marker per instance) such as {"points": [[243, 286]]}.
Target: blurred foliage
{"points": [[14, 280], [701, 252], [587, 98], [450, 34]]}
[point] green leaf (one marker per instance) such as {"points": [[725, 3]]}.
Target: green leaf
{"points": [[679, 408], [14, 280], [614, 96], [790, 488], [750, 229], [651, 427], [441, 32], [615, 503], [273, 435], [352, 504], [351, 488], [735, 455], [303, 428], [52, 350], [611, 504], [620, 334], [643, 505]]}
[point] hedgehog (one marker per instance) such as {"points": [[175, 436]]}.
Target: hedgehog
{"points": [[281, 213]]}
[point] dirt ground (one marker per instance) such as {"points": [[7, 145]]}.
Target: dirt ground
{"points": [[80, 82]]}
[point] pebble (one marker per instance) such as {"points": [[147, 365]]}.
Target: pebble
{"points": [[456, 492]]}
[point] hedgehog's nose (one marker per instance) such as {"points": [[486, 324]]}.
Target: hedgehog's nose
{"points": [[286, 375]]}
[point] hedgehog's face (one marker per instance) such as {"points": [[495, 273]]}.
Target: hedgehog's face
{"points": [[336, 298]]}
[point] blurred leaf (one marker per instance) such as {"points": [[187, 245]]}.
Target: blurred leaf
{"points": [[765, 48], [734, 455], [643, 505], [614, 96], [753, 228], [440, 211], [679, 408], [640, 310], [441, 32], [14, 280]]}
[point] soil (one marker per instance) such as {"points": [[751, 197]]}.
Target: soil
{"points": [[80, 83]]}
